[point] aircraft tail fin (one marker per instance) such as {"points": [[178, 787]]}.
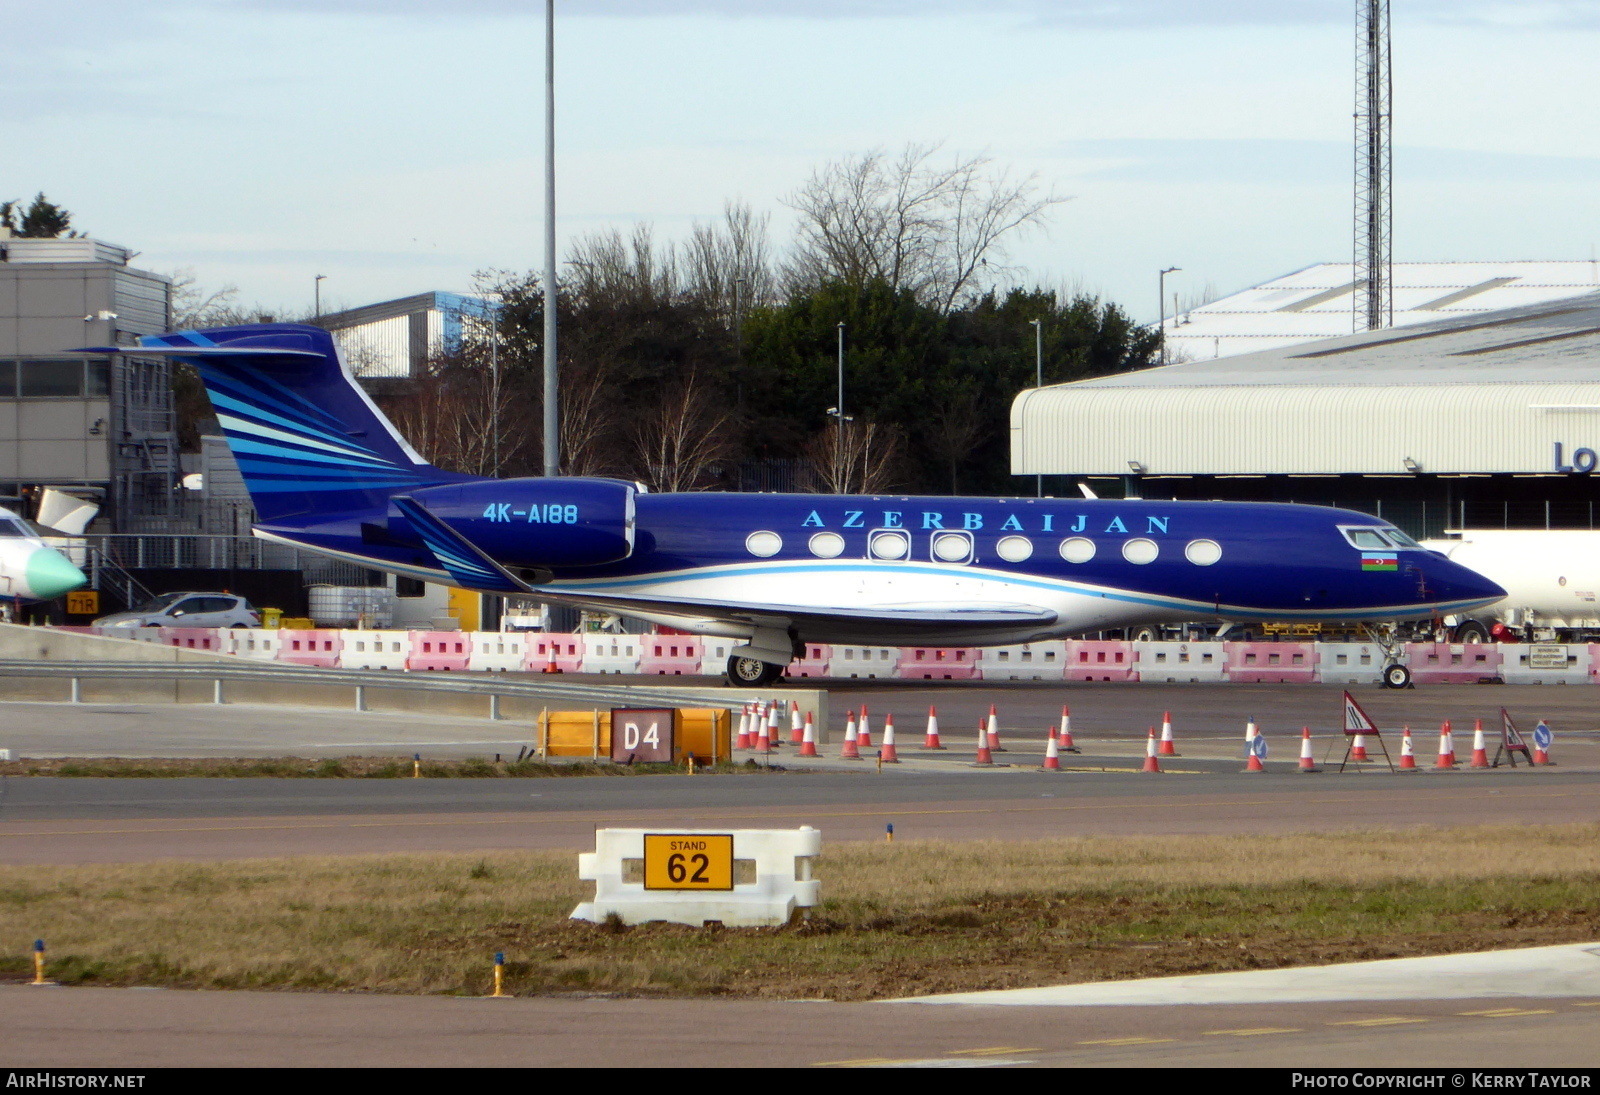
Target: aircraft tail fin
{"points": [[307, 439]]}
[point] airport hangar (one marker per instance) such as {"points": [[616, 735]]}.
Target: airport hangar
{"points": [[1488, 420]]}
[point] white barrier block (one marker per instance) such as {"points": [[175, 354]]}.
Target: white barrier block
{"points": [[375, 650], [258, 643], [497, 651], [1181, 662], [1351, 663], [770, 876], [1044, 661], [1542, 663], [607, 653]]}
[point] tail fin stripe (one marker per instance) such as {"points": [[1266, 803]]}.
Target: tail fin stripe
{"points": [[267, 420], [316, 420], [261, 448]]}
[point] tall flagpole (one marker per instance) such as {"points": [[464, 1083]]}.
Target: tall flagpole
{"points": [[552, 418]]}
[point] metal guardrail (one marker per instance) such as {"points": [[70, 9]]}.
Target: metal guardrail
{"points": [[493, 687]]}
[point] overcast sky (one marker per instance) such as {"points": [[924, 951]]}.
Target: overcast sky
{"points": [[395, 147]]}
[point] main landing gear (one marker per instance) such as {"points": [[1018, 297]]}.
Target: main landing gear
{"points": [[753, 672]]}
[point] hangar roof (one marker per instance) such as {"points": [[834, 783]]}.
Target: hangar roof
{"points": [[1469, 395], [1317, 302]]}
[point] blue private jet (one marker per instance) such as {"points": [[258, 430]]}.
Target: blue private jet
{"points": [[327, 472]]}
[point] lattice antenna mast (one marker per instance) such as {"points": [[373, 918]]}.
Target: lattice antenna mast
{"points": [[1374, 292]]}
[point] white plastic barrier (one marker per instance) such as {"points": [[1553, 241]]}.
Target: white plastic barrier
{"points": [[1540, 663], [260, 644], [1028, 662], [864, 661], [766, 882], [606, 653], [496, 651], [374, 650], [1350, 663], [1453, 663], [1169, 662]]}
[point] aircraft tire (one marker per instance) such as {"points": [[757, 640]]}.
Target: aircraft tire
{"points": [[1144, 635], [752, 672], [1396, 676], [1472, 631]]}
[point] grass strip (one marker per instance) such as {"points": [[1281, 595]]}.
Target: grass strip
{"points": [[344, 768], [898, 919]]}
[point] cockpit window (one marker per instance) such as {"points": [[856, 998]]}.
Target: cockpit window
{"points": [[1400, 538], [11, 527], [1369, 538]]}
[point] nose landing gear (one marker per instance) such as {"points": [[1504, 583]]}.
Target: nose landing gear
{"points": [[753, 672]]}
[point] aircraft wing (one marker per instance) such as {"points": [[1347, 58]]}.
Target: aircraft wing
{"points": [[971, 618]]}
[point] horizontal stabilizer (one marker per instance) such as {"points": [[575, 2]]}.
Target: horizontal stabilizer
{"points": [[468, 566]]}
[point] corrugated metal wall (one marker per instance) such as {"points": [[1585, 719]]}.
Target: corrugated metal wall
{"points": [[1302, 429]]}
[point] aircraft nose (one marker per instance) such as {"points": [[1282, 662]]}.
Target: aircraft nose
{"points": [[1455, 582], [49, 574]]}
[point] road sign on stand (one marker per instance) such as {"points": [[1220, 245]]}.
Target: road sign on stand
{"points": [[1511, 742], [1357, 724]]}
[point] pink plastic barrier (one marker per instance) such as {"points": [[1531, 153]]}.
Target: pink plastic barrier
{"points": [[1452, 663], [313, 647], [193, 638], [1101, 660], [439, 651], [1271, 663], [568, 650], [671, 655], [814, 663], [930, 663]]}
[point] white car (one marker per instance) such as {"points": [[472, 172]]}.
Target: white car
{"points": [[186, 610]]}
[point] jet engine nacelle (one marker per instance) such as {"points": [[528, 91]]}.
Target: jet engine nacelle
{"points": [[537, 522]]}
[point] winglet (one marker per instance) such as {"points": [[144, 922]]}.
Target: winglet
{"points": [[459, 556]]}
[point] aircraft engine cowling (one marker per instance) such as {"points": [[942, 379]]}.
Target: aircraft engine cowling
{"points": [[566, 522]]}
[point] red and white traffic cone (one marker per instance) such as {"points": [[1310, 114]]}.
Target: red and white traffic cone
{"points": [[1480, 751], [1252, 758], [550, 666], [1447, 747], [932, 740], [984, 759], [1308, 761], [864, 730], [774, 727], [743, 741], [1150, 762], [888, 754], [797, 725], [994, 732], [1169, 747], [1066, 732], [1541, 756], [808, 739], [848, 750], [1408, 756], [1358, 748], [763, 742], [1052, 754]]}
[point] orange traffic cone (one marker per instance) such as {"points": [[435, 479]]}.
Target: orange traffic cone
{"points": [[888, 754], [1066, 732], [848, 750], [797, 725], [1308, 762], [994, 732], [1150, 762], [1358, 748], [1169, 747], [808, 739], [1408, 756], [1447, 747], [763, 742], [550, 666], [984, 759], [774, 727], [932, 740], [864, 733], [1480, 752], [1052, 754], [1251, 750], [743, 741], [1541, 755]]}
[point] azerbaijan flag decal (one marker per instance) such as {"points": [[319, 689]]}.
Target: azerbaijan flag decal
{"points": [[1380, 560]]}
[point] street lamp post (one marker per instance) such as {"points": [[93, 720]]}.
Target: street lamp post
{"points": [[838, 443], [1161, 303], [316, 292], [552, 440], [1038, 380]]}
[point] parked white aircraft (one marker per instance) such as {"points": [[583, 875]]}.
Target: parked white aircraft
{"points": [[31, 569]]}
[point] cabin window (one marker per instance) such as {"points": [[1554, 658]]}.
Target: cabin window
{"points": [[952, 547], [1014, 549], [1140, 551], [826, 545], [763, 544], [890, 545], [1077, 549], [1202, 553]]}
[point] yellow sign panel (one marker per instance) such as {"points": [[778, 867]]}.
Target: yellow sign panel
{"points": [[83, 602], [688, 861]]}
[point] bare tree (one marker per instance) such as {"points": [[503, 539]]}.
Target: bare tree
{"points": [[589, 440], [864, 461], [728, 264], [681, 437], [609, 267], [937, 231], [194, 308]]}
